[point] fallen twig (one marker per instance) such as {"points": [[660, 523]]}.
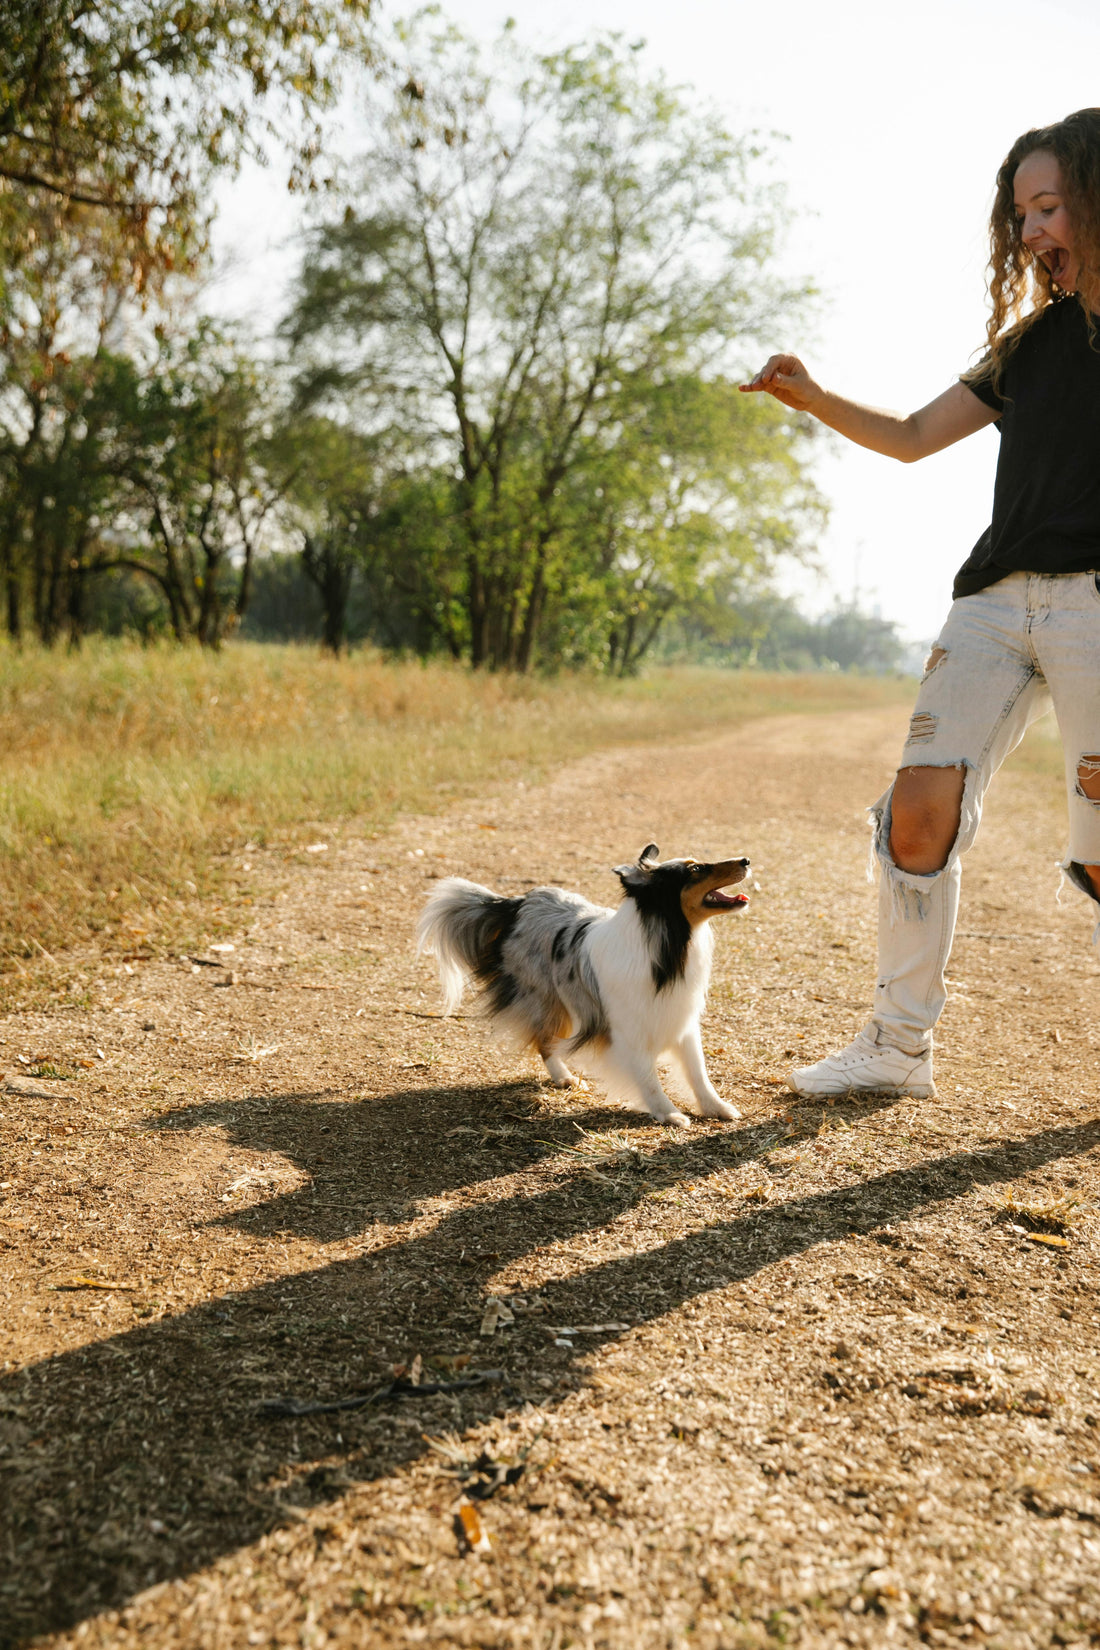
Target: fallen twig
{"points": [[398, 1388]]}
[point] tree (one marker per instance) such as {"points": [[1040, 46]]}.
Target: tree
{"points": [[331, 504], [165, 467], [58, 378], [200, 474], [543, 254], [128, 106], [113, 119], [749, 625], [699, 487]]}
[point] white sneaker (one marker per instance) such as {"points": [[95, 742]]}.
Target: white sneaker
{"points": [[867, 1067]]}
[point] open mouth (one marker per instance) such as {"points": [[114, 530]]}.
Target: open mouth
{"points": [[719, 900], [1056, 259]]}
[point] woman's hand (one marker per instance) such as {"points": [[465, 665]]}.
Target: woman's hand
{"points": [[786, 378]]}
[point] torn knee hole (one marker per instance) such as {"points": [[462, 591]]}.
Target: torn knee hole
{"points": [[1087, 878], [1088, 777]]}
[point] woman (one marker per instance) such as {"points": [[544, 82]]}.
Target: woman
{"points": [[1023, 632]]}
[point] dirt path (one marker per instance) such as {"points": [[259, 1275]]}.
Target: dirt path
{"points": [[821, 1385]]}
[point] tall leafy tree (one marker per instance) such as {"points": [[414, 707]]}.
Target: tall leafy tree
{"points": [[127, 106], [158, 459], [697, 488], [538, 251], [65, 302], [199, 476], [114, 117], [335, 503]]}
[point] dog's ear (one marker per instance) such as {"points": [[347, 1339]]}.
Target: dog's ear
{"points": [[638, 874]]}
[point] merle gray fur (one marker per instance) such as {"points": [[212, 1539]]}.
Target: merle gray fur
{"points": [[528, 955]]}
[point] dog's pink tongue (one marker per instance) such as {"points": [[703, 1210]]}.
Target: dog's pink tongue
{"points": [[720, 897]]}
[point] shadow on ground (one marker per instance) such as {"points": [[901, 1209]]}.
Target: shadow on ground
{"points": [[149, 1454]]}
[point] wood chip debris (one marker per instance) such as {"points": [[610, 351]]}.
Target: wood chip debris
{"points": [[481, 1478], [589, 1329], [496, 1313]]}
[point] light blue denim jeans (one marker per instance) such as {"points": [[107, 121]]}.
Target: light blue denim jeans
{"points": [[1010, 653], [1004, 658]]}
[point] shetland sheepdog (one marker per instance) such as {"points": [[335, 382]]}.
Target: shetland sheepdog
{"points": [[612, 991]]}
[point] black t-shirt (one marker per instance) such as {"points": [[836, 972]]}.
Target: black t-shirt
{"points": [[1046, 499]]}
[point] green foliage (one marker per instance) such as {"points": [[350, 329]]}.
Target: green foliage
{"points": [[756, 629], [129, 106], [199, 475], [545, 281], [515, 435], [122, 449], [343, 502], [62, 393], [159, 462]]}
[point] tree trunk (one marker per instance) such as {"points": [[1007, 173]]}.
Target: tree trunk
{"points": [[9, 573], [337, 589], [536, 600], [477, 607], [331, 573], [77, 598]]}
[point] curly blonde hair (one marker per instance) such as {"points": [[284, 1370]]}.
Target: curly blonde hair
{"points": [[1020, 286]]}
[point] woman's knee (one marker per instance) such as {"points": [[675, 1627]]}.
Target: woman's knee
{"points": [[1092, 872], [925, 810]]}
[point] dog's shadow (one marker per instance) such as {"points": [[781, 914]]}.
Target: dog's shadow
{"points": [[378, 1160]]}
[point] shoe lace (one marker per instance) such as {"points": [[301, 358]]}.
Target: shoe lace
{"points": [[861, 1048]]}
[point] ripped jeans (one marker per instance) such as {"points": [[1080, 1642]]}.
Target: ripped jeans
{"points": [[1004, 658]]}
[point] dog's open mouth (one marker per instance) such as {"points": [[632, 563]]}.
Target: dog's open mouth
{"points": [[719, 900]]}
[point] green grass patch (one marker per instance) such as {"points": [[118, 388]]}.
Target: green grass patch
{"points": [[132, 779]]}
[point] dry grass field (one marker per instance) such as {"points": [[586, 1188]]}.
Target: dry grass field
{"points": [[133, 780], [827, 1375]]}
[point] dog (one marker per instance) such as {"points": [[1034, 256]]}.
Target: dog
{"points": [[612, 991]]}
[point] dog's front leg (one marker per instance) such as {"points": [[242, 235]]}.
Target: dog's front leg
{"points": [[642, 1072], [689, 1052], [560, 1074]]}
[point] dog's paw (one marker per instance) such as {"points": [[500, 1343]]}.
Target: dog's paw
{"points": [[719, 1108], [676, 1120], [558, 1072]]}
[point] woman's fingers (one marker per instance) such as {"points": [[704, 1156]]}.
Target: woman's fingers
{"points": [[785, 377], [774, 374]]}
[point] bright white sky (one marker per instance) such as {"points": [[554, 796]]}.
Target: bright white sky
{"points": [[897, 118]]}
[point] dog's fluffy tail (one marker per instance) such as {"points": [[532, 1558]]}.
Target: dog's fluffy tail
{"points": [[463, 926]]}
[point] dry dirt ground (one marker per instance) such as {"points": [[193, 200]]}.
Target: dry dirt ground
{"points": [[817, 1377]]}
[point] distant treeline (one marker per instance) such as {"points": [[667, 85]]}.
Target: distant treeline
{"points": [[499, 420], [760, 631]]}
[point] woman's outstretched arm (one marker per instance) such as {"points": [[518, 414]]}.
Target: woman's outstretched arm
{"points": [[951, 416]]}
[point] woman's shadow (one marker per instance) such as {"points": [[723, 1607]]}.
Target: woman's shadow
{"points": [[147, 1455]]}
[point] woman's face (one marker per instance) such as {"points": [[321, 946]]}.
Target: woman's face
{"points": [[1043, 219]]}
